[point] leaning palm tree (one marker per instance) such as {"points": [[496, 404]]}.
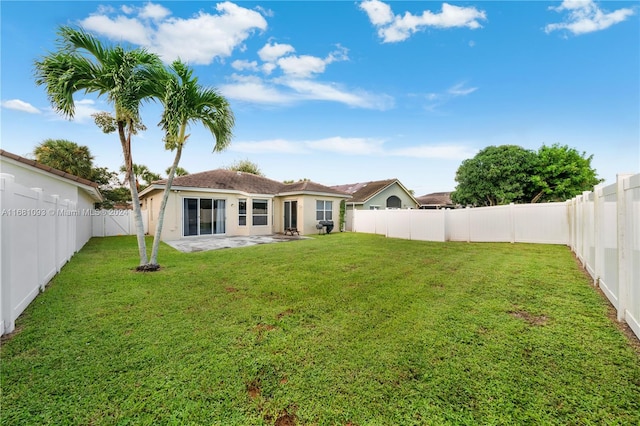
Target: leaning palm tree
{"points": [[186, 102], [84, 64]]}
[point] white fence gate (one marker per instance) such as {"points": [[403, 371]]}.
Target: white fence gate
{"points": [[601, 227]]}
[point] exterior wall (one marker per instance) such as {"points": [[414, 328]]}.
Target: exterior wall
{"points": [[381, 198], [172, 228], [84, 228], [309, 221], [34, 178]]}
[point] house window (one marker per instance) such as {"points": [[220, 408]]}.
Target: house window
{"points": [[324, 210], [394, 202], [242, 212], [260, 212], [374, 207]]}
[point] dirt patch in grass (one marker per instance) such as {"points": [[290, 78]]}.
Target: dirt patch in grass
{"points": [[286, 419], [284, 314], [231, 289], [531, 319], [253, 389]]}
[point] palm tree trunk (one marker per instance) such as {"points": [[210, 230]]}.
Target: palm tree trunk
{"points": [[165, 197], [125, 140]]}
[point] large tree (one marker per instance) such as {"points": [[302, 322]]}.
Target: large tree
{"points": [[511, 174], [496, 175], [561, 173], [84, 64], [185, 103]]}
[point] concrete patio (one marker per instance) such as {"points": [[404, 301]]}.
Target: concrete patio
{"points": [[195, 244]]}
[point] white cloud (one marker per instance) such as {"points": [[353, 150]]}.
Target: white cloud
{"points": [[254, 90], [394, 28], [241, 65], [353, 146], [460, 90], [379, 13], [302, 66], [198, 40], [350, 146], [154, 11], [18, 105], [312, 90], [119, 28], [271, 52], [584, 16]]}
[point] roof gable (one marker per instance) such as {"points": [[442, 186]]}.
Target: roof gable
{"points": [[364, 191]]}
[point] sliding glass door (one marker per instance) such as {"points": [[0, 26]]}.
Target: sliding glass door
{"points": [[203, 216], [290, 215]]}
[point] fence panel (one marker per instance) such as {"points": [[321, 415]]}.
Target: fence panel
{"points": [[491, 224], [38, 234], [457, 224], [607, 248], [632, 216], [546, 223], [398, 223]]}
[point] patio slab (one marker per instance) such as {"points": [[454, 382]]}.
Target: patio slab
{"points": [[195, 244]]}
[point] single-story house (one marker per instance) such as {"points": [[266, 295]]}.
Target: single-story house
{"points": [[378, 195], [436, 200], [227, 202]]}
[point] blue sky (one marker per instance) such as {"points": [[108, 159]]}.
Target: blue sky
{"points": [[348, 91]]}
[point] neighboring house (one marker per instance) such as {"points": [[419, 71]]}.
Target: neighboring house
{"points": [[436, 200], [238, 203], [378, 195]]}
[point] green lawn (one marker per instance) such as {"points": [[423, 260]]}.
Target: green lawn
{"points": [[343, 329]]}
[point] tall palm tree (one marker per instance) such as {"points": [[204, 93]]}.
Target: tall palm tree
{"points": [[84, 64], [186, 102]]}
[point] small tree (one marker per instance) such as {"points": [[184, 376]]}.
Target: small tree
{"points": [[245, 166]]}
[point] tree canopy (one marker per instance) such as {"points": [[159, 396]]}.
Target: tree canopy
{"points": [[245, 166], [67, 156], [511, 174]]}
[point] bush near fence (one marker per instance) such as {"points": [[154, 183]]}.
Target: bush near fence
{"points": [[602, 227]]}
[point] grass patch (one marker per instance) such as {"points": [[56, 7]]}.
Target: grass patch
{"points": [[344, 329]]}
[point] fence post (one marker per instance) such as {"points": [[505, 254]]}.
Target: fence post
{"points": [[512, 221], [6, 305], [597, 239], [623, 270], [36, 252], [468, 224]]}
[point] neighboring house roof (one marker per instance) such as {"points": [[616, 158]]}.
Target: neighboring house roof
{"points": [[436, 199], [233, 181], [93, 187], [364, 191]]}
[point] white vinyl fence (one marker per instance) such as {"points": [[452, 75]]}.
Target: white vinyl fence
{"points": [[39, 233], [517, 223], [605, 235], [601, 227]]}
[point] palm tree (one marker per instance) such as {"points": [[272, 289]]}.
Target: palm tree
{"points": [[186, 102], [65, 155], [140, 171], [84, 64], [179, 171]]}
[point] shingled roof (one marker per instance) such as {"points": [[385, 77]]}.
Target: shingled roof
{"points": [[48, 169], [436, 199], [363, 191], [229, 180]]}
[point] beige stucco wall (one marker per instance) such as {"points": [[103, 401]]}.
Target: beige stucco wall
{"points": [[173, 225]]}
